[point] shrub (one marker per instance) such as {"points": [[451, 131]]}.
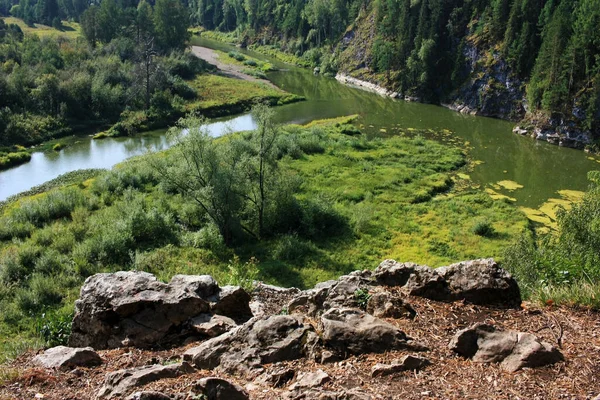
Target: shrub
{"points": [[243, 274], [54, 205], [55, 328], [320, 219], [483, 228], [362, 297]]}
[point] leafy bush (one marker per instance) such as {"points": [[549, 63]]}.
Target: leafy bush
{"points": [[362, 297], [483, 228], [54, 205], [243, 274], [236, 56], [55, 328]]}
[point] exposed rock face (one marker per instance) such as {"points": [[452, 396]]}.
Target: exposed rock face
{"points": [[135, 309], [219, 389], [212, 325], [513, 350], [387, 305], [477, 281], [117, 384], [64, 358], [406, 363], [330, 294], [277, 378], [262, 340], [311, 380], [356, 332]]}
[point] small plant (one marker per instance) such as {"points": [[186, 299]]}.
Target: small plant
{"points": [[362, 297], [55, 329], [58, 146], [243, 274], [284, 311], [483, 228]]}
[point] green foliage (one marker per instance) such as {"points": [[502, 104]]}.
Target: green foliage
{"points": [[243, 274], [483, 228], [362, 297], [55, 328], [563, 261]]}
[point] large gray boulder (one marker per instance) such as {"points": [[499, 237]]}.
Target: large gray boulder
{"points": [[135, 309], [262, 340], [353, 331], [513, 350], [119, 383], [477, 281], [65, 358]]}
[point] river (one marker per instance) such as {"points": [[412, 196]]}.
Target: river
{"points": [[542, 169]]}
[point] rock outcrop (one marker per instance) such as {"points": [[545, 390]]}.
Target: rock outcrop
{"points": [[218, 389], [117, 384], [356, 332], [476, 281], [65, 358], [513, 350], [262, 340], [135, 309]]}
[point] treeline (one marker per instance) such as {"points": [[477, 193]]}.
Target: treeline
{"points": [[51, 85], [421, 47]]}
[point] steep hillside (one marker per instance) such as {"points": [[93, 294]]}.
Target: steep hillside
{"points": [[535, 62]]}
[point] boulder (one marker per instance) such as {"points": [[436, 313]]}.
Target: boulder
{"points": [[388, 305], [481, 282], [218, 389], [513, 350], [212, 325], [331, 294], [311, 380], [477, 281], [356, 332], [233, 302], [117, 384], [406, 363], [135, 309], [65, 358], [262, 340]]}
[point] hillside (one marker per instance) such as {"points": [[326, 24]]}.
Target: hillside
{"points": [[535, 62]]}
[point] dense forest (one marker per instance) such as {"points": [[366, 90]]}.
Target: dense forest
{"points": [[425, 48], [51, 85]]}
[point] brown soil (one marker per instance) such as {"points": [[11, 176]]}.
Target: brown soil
{"points": [[576, 332]]}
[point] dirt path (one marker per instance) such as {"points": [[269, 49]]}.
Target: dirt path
{"points": [[230, 70]]}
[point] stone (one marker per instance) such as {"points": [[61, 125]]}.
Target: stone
{"points": [[481, 282], [387, 305], [513, 350], [331, 294], [262, 340], [134, 309], [476, 281], [393, 273], [356, 332], [218, 389], [233, 302], [149, 396], [277, 378], [65, 358], [212, 325], [311, 380], [117, 384], [406, 363]]}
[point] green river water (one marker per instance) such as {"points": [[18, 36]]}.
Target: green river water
{"points": [[542, 169]]}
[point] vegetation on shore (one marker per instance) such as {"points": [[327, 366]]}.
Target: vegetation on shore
{"points": [[336, 201]]}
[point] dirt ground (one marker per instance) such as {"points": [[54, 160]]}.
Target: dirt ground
{"points": [[575, 332]]}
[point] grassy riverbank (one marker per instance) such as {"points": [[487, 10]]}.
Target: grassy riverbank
{"points": [[360, 200]]}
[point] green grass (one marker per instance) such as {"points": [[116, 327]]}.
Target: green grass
{"points": [[71, 30], [365, 200], [218, 92]]}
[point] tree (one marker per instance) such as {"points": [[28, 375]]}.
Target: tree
{"points": [[171, 22], [90, 25]]}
